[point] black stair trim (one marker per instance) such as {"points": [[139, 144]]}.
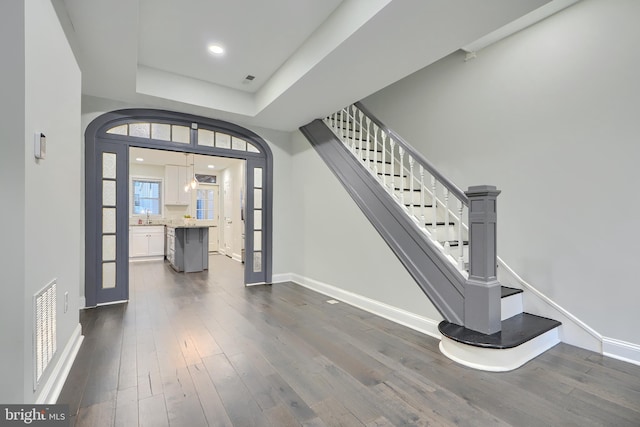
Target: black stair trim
{"points": [[507, 292], [515, 331], [397, 175], [440, 223], [454, 243], [417, 205], [407, 189], [441, 282]]}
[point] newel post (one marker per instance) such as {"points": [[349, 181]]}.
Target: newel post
{"points": [[482, 290]]}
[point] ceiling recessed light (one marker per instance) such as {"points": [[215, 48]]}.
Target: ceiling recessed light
{"points": [[216, 49], [210, 166], [139, 159]]}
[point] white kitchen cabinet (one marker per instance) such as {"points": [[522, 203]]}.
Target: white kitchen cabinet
{"points": [[146, 242], [175, 178]]}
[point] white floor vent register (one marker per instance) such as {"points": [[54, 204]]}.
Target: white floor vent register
{"points": [[44, 334]]}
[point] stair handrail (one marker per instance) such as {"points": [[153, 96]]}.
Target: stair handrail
{"points": [[450, 185]]}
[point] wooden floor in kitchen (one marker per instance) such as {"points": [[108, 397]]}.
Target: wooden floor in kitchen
{"points": [[200, 349]]}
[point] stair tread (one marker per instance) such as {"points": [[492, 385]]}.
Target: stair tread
{"points": [[453, 243], [516, 330], [441, 223], [507, 292]]}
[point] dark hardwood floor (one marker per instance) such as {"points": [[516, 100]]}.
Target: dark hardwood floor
{"points": [[200, 349]]}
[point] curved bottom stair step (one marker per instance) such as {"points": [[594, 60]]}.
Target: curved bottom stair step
{"points": [[523, 337]]}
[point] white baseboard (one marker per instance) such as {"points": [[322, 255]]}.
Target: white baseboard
{"points": [[621, 350], [236, 257], [281, 277], [394, 314], [51, 389]]}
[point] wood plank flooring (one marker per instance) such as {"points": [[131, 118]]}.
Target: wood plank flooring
{"points": [[200, 349]]}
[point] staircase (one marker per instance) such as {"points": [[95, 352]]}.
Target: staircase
{"points": [[425, 218]]}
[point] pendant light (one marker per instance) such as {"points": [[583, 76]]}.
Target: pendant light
{"points": [[188, 186], [194, 181], [186, 168]]}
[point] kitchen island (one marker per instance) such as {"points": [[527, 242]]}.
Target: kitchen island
{"points": [[188, 247]]}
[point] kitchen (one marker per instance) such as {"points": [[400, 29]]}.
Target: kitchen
{"points": [[185, 208]]}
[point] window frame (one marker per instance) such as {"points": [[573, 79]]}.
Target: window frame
{"points": [[153, 179]]}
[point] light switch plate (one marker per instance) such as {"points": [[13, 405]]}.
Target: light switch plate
{"points": [[40, 145]]}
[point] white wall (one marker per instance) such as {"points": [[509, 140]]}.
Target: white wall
{"points": [[336, 245], [550, 117], [42, 87]]}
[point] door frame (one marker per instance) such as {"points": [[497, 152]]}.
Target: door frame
{"points": [[96, 136]]}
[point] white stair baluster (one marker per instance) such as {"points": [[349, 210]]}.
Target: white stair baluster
{"points": [[434, 209], [411, 185], [359, 124], [383, 135], [350, 129], [460, 246], [367, 122], [392, 145], [422, 201], [401, 172], [375, 149], [447, 237]]}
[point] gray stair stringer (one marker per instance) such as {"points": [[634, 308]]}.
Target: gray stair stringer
{"points": [[434, 274]]}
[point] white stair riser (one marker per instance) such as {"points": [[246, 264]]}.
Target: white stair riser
{"points": [[498, 360], [510, 306]]}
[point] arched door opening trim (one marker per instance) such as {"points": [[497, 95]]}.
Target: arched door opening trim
{"points": [[108, 139]]}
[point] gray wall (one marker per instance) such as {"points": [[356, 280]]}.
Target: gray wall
{"points": [[41, 207], [335, 243], [12, 208], [550, 117]]}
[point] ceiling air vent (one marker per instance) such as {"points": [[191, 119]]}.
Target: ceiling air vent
{"points": [[248, 79]]}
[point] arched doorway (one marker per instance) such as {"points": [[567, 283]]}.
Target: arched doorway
{"points": [[107, 142]]}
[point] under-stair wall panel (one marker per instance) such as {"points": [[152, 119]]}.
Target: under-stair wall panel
{"points": [[435, 275]]}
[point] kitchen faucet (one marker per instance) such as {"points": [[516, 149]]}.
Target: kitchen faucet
{"points": [[148, 220]]}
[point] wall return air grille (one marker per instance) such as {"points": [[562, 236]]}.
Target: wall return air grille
{"points": [[44, 334]]}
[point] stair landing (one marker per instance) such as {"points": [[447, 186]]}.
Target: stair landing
{"points": [[523, 337]]}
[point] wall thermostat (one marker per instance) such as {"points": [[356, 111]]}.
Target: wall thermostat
{"points": [[40, 145]]}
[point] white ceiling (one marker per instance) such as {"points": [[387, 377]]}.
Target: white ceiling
{"points": [[162, 158], [310, 57]]}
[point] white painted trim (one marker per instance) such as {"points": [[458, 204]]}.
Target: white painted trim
{"points": [[236, 257], [280, 278], [51, 389], [112, 302], [254, 284], [147, 258], [82, 303], [394, 314], [498, 360], [621, 350], [510, 306], [549, 301]]}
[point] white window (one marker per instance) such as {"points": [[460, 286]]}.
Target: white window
{"points": [[146, 196], [205, 204]]}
